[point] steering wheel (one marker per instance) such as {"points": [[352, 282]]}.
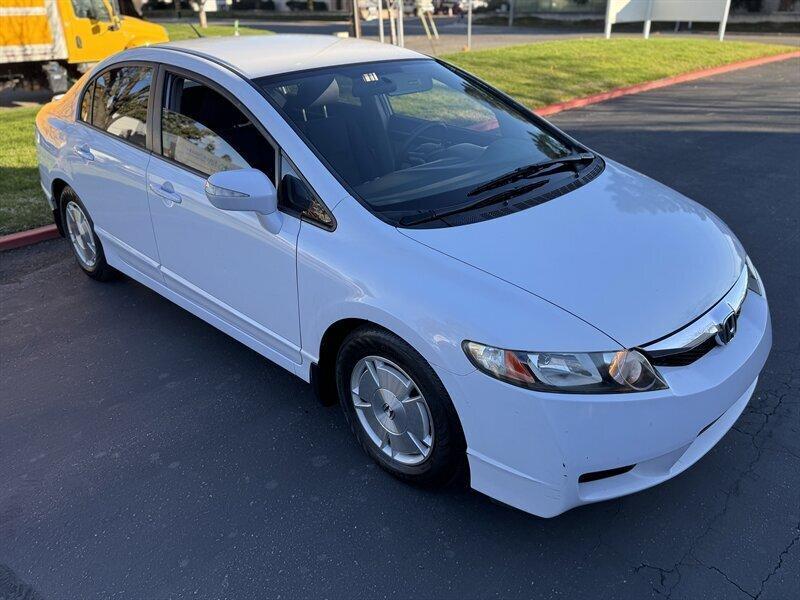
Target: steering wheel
{"points": [[403, 153]]}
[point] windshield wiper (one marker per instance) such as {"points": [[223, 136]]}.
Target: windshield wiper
{"points": [[433, 215], [529, 171], [525, 172]]}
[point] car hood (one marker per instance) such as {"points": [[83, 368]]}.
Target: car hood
{"points": [[626, 254]]}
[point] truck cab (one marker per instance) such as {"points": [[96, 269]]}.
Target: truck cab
{"points": [[95, 29], [53, 40]]}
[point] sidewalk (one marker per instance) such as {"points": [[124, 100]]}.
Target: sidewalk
{"points": [[453, 34]]}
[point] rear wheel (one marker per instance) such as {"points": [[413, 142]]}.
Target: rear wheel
{"points": [[398, 408], [85, 244]]}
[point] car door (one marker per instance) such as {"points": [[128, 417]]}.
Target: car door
{"points": [[225, 262], [109, 157]]}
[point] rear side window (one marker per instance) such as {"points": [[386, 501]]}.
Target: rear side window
{"points": [[205, 131], [86, 103], [120, 103]]}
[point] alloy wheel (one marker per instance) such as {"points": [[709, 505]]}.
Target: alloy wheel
{"points": [[392, 410], [81, 236]]}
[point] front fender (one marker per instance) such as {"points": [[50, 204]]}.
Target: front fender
{"points": [[366, 269]]}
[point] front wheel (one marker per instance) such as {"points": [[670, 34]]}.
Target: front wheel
{"points": [[398, 408]]}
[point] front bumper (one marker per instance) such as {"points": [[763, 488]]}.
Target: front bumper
{"points": [[529, 449]]}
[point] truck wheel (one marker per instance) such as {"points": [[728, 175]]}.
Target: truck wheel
{"points": [[57, 77]]}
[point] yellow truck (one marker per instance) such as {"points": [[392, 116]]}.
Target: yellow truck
{"points": [[49, 41]]}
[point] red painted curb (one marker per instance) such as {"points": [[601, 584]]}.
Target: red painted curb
{"points": [[25, 238], [660, 83]]}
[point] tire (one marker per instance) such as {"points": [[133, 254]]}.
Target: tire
{"points": [[445, 461], [97, 268]]}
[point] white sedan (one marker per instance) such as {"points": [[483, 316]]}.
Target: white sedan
{"points": [[482, 293]]}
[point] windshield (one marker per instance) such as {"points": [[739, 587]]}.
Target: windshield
{"points": [[412, 136]]}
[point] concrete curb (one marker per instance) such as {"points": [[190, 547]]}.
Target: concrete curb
{"points": [[660, 83], [25, 238], [48, 232]]}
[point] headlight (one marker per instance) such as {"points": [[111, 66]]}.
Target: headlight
{"points": [[575, 372], [754, 283]]}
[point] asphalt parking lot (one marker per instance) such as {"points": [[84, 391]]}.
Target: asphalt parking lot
{"points": [[144, 454]]}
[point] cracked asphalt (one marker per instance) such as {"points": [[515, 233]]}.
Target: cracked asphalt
{"points": [[144, 454]]}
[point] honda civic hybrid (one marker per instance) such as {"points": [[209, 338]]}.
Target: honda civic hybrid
{"points": [[489, 299]]}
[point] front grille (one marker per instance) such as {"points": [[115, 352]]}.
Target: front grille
{"points": [[683, 358], [684, 347]]}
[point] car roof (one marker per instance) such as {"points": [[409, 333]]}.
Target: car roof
{"points": [[262, 55]]}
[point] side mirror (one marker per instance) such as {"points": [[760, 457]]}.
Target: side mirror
{"points": [[246, 190]]}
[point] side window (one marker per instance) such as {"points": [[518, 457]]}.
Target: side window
{"points": [[203, 130], [294, 193], [443, 103], [120, 103], [86, 103], [91, 9]]}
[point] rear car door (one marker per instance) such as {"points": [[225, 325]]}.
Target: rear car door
{"points": [[225, 262], [109, 158]]}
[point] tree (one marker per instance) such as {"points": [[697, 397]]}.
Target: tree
{"points": [[201, 10]]}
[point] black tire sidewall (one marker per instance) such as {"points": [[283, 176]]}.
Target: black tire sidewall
{"points": [[101, 269], [447, 459]]}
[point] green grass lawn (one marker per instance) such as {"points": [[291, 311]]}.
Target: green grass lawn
{"points": [[22, 204], [186, 31], [535, 74], [550, 72]]}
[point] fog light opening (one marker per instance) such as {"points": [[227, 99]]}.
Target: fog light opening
{"points": [[597, 475]]}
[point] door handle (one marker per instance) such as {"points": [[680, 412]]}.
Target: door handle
{"points": [[166, 191], [83, 151]]}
